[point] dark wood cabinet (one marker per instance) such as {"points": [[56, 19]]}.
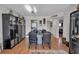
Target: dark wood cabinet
{"points": [[74, 32], [12, 34]]}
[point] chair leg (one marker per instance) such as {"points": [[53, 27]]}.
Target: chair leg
{"points": [[43, 46], [49, 45], [29, 47], [35, 46]]}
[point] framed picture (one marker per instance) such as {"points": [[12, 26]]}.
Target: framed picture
{"points": [[44, 20], [33, 24], [40, 22]]}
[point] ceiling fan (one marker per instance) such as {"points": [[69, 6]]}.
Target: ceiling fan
{"points": [[31, 9]]}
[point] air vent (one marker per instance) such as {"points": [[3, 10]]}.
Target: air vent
{"points": [[54, 16]]}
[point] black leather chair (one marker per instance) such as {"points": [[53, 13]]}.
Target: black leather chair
{"points": [[46, 39], [43, 30], [32, 38], [35, 31]]}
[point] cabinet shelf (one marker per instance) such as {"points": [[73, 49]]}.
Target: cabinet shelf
{"points": [[13, 31]]}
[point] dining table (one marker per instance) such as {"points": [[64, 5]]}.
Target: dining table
{"points": [[39, 37]]}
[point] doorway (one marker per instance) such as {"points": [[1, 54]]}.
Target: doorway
{"points": [[60, 28]]}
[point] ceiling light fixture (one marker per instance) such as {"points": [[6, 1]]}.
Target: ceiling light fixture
{"points": [[28, 8], [34, 9], [31, 9]]}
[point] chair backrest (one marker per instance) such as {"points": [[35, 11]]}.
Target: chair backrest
{"points": [[35, 31], [32, 35], [43, 30], [47, 36]]}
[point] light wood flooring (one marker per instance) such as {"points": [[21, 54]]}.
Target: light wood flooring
{"points": [[22, 47]]}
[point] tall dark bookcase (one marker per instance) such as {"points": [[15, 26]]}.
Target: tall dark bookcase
{"points": [[74, 32], [13, 30]]}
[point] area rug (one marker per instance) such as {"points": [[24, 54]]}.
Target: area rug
{"points": [[47, 52]]}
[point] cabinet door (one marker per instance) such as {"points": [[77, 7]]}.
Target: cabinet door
{"points": [[74, 28], [5, 22]]}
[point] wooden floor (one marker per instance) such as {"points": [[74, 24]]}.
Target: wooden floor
{"points": [[22, 47]]}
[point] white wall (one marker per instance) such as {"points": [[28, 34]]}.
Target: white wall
{"points": [[66, 24], [55, 28], [49, 27], [66, 21], [28, 24]]}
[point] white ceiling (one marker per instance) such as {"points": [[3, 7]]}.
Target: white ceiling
{"points": [[42, 9]]}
